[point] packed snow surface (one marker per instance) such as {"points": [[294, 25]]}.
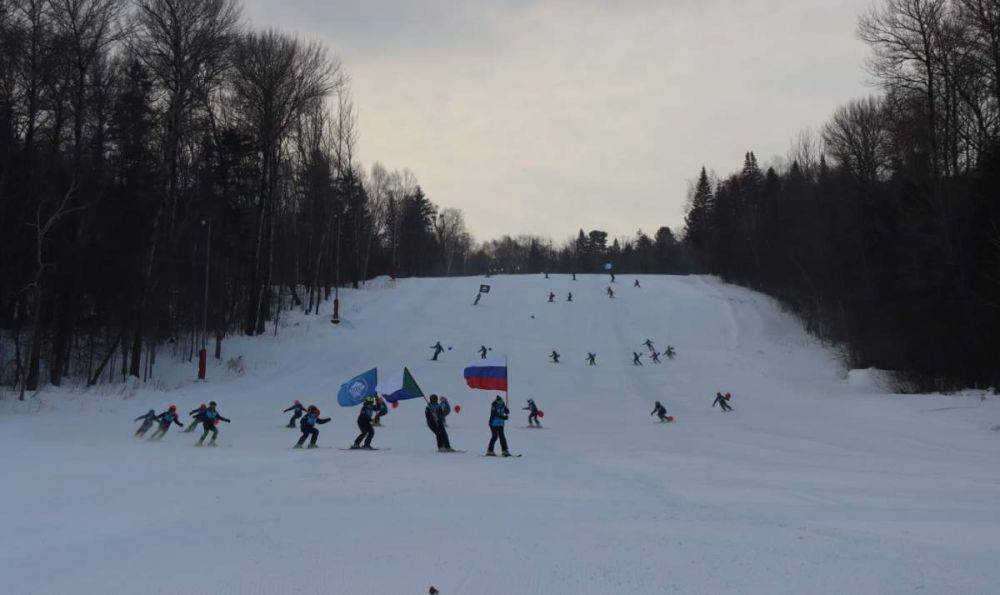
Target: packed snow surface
{"points": [[810, 485]]}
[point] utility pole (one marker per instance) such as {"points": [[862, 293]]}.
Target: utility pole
{"points": [[336, 276]]}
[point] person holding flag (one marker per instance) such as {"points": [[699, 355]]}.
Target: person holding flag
{"points": [[498, 417]]}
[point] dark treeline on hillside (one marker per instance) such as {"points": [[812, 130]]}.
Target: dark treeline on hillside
{"points": [[150, 149], [893, 246]]}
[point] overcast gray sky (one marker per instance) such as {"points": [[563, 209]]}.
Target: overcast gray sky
{"points": [[545, 116]]}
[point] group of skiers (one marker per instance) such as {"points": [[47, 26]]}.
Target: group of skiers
{"points": [[206, 415]]}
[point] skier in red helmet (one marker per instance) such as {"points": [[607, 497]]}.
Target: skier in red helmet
{"points": [[308, 426], [166, 419]]}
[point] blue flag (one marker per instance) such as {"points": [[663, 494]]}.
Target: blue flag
{"points": [[608, 266], [356, 389]]}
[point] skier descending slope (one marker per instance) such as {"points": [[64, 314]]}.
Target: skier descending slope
{"points": [[552, 297], [661, 412], [483, 351], [722, 401], [479, 296], [498, 415], [209, 420], [656, 357], [308, 427], [649, 344], [166, 419], [636, 284], [298, 408], [554, 356], [670, 353], [532, 410], [611, 293], [636, 357], [569, 298], [432, 413], [196, 418], [147, 422], [438, 350], [591, 359], [365, 425]]}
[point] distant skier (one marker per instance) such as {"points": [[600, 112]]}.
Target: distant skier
{"points": [[147, 422], [498, 415], [612, 277], [381, 410], [445, 410], [660, 411], [552, 297], [554, 356], [438, 350], [308, 427], [546, 275], [166, 419], [365, 424], [532, 410], [435, 421], [611, 292], [655, 357], [569, 298], [722, 401], [591, 359], [649, 344], [196, 418], [636, 284], [483, 351], [636, 357], [299, 409], [479, 296], [209, 419], [670, 353], [574, 276]]}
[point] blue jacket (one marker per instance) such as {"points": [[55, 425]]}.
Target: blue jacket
{"points": [[168, 417], [445, 408], [498, 415], [309, 420], [432, 413], [299, 407], [532, 408], [211, 415], [147, 418]]}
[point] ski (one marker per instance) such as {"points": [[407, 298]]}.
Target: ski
{"points": [[452, 451], [513, 456], [363, 449]]}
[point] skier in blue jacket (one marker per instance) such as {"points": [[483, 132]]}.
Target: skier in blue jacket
{"points": [[498, 416], [433, 414], [308, 426], [166, 419], [196, 415], [532, 410], [209, 420], [298, 409], [147, 422], [365, 424]]}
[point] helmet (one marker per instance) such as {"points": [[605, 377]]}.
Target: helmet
{"points": [[203, 406], [316, 410], [369, 399], [311, 408], [297, 402], [172, 408], [434, 398], [211, 403], [152, 410]]}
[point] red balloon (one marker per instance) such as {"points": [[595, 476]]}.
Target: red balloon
{"points": [[541, 413], [458, 408], [395, 404]]}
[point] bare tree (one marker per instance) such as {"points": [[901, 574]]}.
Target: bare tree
{"points": [[858, 138], [452, 235]]}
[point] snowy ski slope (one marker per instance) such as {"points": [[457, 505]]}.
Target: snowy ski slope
{"points": [[810, 485]]}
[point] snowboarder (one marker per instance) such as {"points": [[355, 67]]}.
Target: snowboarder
{"points": [[532, 410], [308, 426], [445, 410], [147, 422], [660, 411], [438, 350], [483, 351], [555, 356], [209, 420], [196, 418], [552, 297], [432, 413], [381, 410], [611, 292], [649, 344], [166, 419], [365, 425], [498, 415], [479, 296], [591, 359], [569, 298], [656, 357], [635, 359], [299, 409], [722, 401], [636, 284], [670, 353]]}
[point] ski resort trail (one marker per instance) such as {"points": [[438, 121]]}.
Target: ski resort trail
{"points": [[810, 485]]}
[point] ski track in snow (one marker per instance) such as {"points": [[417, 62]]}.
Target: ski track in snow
{"points": [[807, 486]]}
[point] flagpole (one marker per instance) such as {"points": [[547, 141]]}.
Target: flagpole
{"points": [[506, 364]]}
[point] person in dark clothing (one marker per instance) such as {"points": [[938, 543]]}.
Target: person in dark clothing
{"points": [[649, 344], [498, 416], [298, 409], [166, 419], [445, 410], [660, 411], [483, 351], [196, 415], [438, 350], [209, 420], [532, 410], [147, 422], [612, 277], [636, 284], [435, 421], [546, 275], [569, 298], [656, 357], [636, 357], [479, 296], [722, 402], [574, 276], [308, 426], [381, 410], [552, 297], [591, 359], [365, 424], [670, 353], [611, 292], [555, 356]]}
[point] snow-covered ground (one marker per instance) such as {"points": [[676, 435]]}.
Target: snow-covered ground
{"points": [[813, 484]]}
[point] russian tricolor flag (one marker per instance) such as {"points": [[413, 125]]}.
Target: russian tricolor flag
{"points": [[487, 374]]}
